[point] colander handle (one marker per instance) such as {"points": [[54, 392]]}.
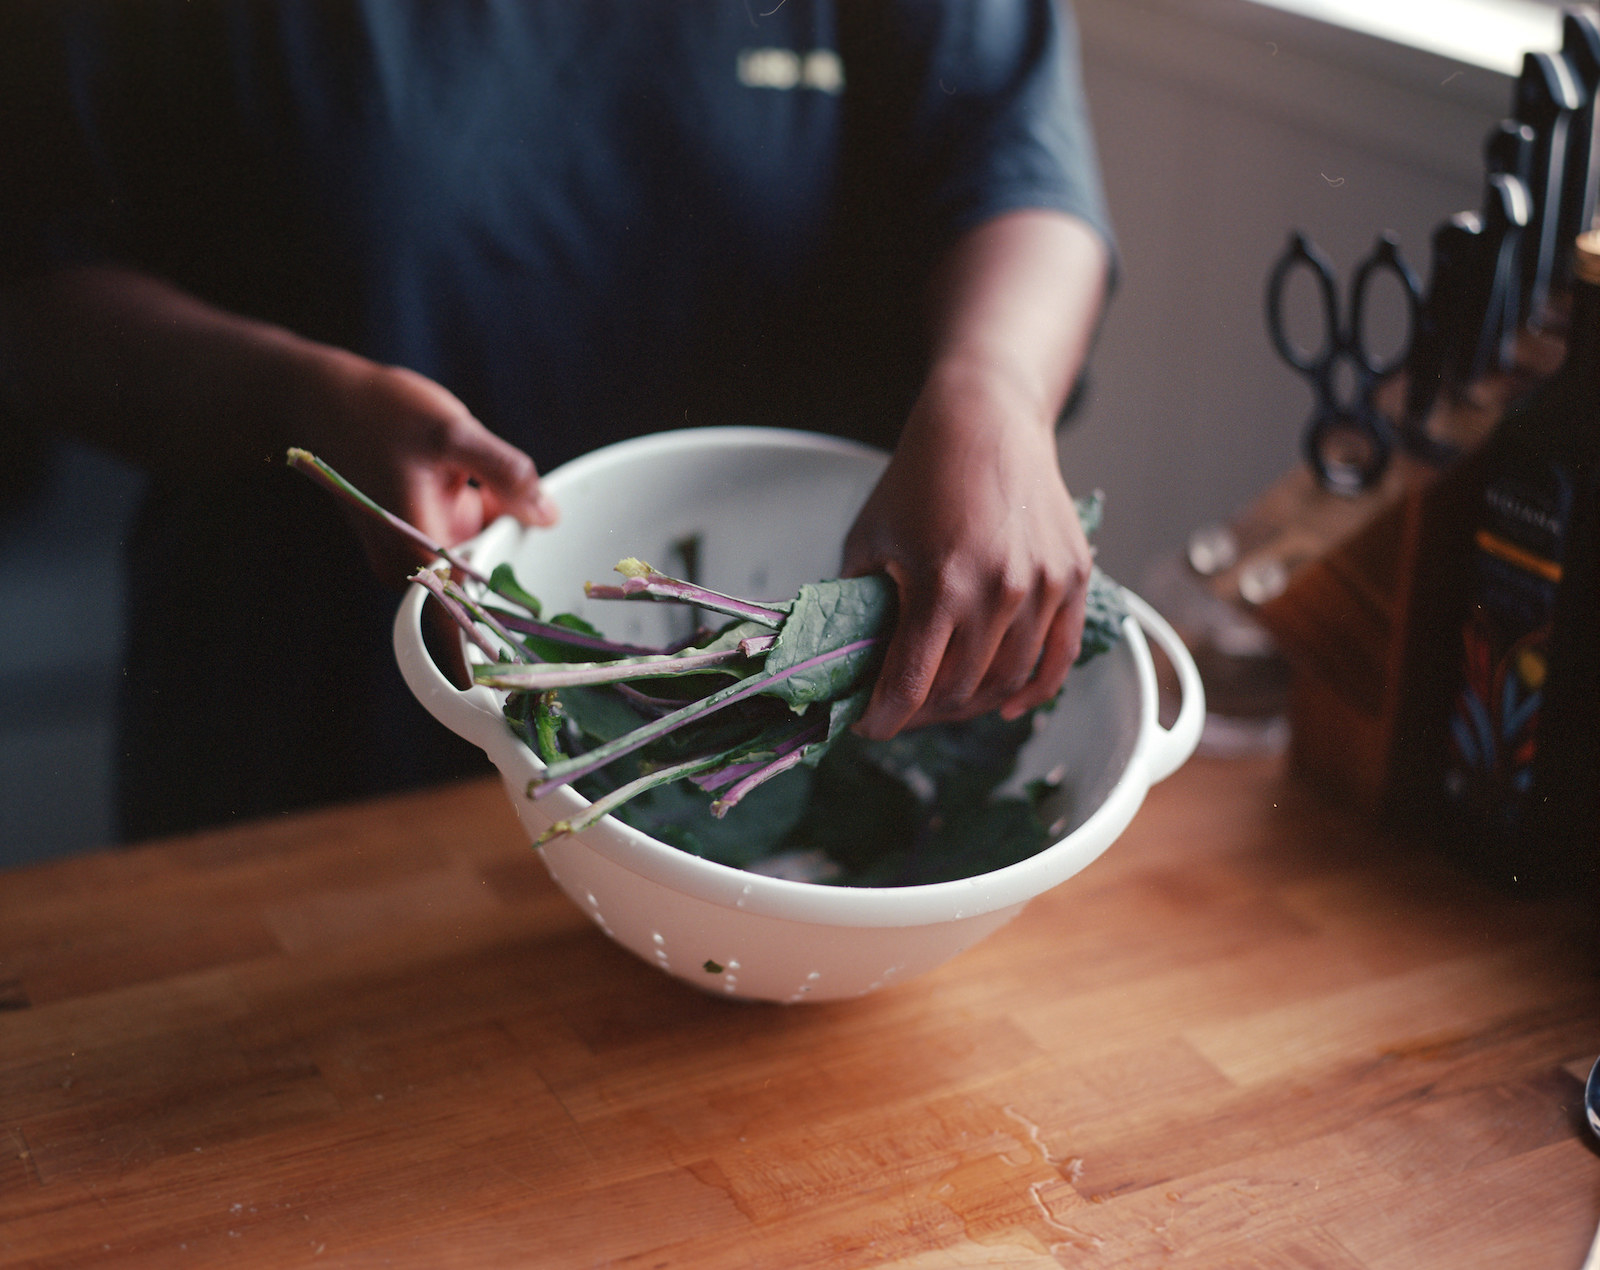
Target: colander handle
{"points": [[472, 713], [1173, 745]]}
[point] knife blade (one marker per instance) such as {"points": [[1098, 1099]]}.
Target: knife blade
{"points": [[1547, 94]]}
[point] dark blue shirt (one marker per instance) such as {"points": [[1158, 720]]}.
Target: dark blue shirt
{"points": [[587, 218]]}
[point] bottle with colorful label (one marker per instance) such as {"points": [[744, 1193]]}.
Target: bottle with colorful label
{"points": [[1521, 771]]}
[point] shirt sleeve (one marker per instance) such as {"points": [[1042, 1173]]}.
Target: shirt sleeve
{"points": [[982, 107]]}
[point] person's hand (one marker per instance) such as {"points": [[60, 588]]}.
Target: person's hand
{"points": [[416, 450], [973, 522], [972, 519], [175, 384]]}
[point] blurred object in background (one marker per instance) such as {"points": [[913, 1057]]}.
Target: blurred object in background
{"points": [[1246, 679], [1517, 789], [65, 512]]}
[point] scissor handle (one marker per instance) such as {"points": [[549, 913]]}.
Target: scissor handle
{"points": [[1301, 254], [1361, 461], [1384, 258]]}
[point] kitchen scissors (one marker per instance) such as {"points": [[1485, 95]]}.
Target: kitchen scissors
{"points": [[1347, 441]]}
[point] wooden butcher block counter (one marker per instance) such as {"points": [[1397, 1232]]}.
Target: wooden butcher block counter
{"points": [[1256, 1033]]}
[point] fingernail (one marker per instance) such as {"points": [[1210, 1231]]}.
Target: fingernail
{"points": [[545, 509]]}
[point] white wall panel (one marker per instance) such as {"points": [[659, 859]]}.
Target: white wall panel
{"points": [[1223, 126]]}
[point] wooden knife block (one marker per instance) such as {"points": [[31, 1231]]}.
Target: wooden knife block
{"points": [[1363, 617]]}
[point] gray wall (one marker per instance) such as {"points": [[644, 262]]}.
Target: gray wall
{"points": [[1222, 126]]}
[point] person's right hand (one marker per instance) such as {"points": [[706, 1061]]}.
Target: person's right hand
{"points": [[169, 381], [413, 447]]}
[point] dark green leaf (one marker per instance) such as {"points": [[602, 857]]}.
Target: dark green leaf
{"points": [[503, 582], [680, 815], [597, 713], [858, 811], [826, 616], [1104, 611], [1090, 508], [953, 765], [976, 839]]}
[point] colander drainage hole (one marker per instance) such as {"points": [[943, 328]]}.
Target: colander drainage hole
{"points": [[597, 915]]}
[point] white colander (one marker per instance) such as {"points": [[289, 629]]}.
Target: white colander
{"points": [[769, 510]]}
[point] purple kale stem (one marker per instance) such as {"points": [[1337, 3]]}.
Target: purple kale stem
{"points": [[330, 480], [566, 635], [568, 674], [518, 652], [431, 582], [657, 706], [687, 641], [722, 777], [727, 775], [558, 774], [760, 776], [611, 801], [644, 582]]}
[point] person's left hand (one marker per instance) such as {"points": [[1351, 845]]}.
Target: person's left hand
{"points": [[973, 522]]}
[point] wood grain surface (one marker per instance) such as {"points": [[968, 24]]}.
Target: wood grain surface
{"points": [[1257, 1033]]}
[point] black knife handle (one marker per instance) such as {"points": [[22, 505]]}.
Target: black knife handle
{"points": [[1509, 149], [1507, 208], [1580, 47], [1434, 367], [1547, 94]]}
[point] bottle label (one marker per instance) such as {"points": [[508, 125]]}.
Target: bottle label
{"points": [[1518, 552]]}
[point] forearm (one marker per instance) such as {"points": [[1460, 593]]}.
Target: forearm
{"points": [[187, 390], [1014, 310], [129, 362]]}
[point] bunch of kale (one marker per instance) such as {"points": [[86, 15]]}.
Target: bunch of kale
{"points": [[754, 714]]}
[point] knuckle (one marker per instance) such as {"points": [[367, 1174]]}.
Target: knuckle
{"points": [[1012, 684], [905, 686], [1075, 574], [1060, 577], [1010, 588], [945, 593], [519, 469], [436, 436]]}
